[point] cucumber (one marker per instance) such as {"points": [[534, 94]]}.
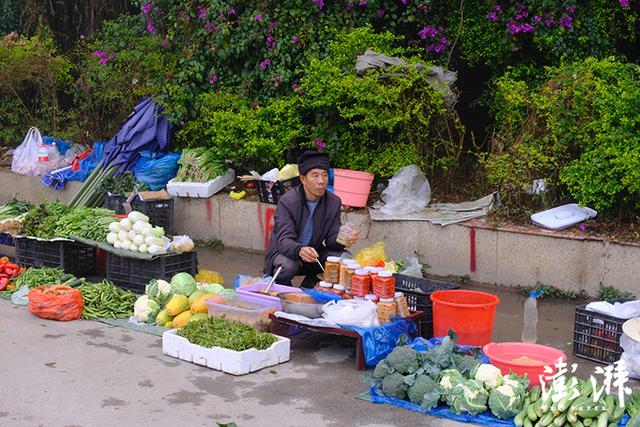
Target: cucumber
{"points": [[610, 403], [603, 419], [617, 413], [518, 420], [546, 419], [560, 420], [587, 422], [587, 388], [527, 423], [535, 393], [532, 415]]}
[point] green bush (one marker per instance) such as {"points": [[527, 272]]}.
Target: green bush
{"points": [[32, 77], [578, 130]]}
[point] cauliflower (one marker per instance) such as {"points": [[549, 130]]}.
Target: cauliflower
{"points": [[489, 376], [449, 379], [145, 309], [159, 291], [404, 360], [469, 397], [505, 401], [393, 386]]}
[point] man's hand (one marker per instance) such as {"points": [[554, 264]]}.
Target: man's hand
{"points": [[354, 237], [308, 254]]}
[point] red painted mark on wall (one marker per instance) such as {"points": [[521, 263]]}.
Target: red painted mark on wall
{"points": [[269, 224], [472, 249], [209, 211]]}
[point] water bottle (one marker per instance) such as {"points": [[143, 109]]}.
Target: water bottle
{"points": [[530, 328]]}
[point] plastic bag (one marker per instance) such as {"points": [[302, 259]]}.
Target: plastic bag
{"points": [[412, 268], [21, 296], [181, 244], [631, 355], [360, 313], [156, 169], [373, 255], [322, 296], [378, 342], [408, 191], [209, 276], [56, 302], [25, 157], [244, 280]]}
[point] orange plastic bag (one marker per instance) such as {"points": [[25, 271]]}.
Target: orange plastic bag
{"points": [[56, 302]]}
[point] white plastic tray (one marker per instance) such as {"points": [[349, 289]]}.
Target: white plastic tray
{"points": [[222, 359], [199, 189], [563, 216]]}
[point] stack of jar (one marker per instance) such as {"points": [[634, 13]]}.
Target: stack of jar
{"points": [[337, 276]]}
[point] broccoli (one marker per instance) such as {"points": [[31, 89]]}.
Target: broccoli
{"points": [[425, 391], [404, 360], [382, 370], [393, 386], [468, 366]]}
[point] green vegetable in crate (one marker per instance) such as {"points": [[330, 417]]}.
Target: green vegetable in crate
{"points": [[404, 359], [159, 291], [489, 376], [469, 397], [220, 332], [183, 284], [145, 309], [423, 390]]}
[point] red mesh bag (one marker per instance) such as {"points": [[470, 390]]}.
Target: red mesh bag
{"points": [[56, 302]]}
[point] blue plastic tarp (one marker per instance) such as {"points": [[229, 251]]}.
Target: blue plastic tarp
{"points": [[378, 342], [88, 164]]}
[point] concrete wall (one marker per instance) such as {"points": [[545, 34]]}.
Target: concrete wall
{"points": [[505, 256]]}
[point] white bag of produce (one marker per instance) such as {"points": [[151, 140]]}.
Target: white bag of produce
{"points": [[352, 313], [181, 244], [25, 157]]}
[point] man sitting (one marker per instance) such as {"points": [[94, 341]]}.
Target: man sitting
{"points": [[307, 221]]}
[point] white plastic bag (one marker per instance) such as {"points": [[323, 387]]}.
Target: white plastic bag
{"points": [[352, 313], [408, 191], [413, 268], [25, 157], [631, 355]]}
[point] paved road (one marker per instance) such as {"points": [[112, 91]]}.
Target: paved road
{"points": [[85, 373]]}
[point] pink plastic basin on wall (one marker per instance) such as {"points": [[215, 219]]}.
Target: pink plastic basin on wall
{"points": [[352, 187], [502, 355]]}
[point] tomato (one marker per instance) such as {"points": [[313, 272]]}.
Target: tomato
{"points": [[3, 283], [9, 271]]}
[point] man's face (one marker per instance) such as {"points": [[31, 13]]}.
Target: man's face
{"points": [[315, 183]]}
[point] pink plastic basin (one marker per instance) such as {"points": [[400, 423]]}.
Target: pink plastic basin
{"points": [[352, 187], [253, 290], [502, 355]]}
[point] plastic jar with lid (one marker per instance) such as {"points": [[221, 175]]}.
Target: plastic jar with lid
{"points": [[338, 290], [347, 294], [344, 269], [323, 287], [401, 305], [384, 284], [371, 297], [360, 283], [332, 269], [386, 310]]}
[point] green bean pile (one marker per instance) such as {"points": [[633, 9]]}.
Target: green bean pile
{"points": [[106, 300], [220, 332], [34, 277]]}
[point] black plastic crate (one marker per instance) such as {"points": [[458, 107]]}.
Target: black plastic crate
{"points": [[271, 191], [596, 336], [73, 258], [134, 274], [160, 212], [417, 290]]}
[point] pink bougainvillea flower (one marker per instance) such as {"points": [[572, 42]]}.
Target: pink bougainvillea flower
{"points": [[202, 13], [231, 11], [265, 64], [295, 39], [319, 3], [259, 18], [624, 3], [147, 8]]}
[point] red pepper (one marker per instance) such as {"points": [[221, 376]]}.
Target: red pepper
{"points": [[9, 271], [4, 260], [3, 283], [16, 273], [12, 266], [3, 275]]}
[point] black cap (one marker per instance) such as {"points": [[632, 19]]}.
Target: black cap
{"points": [[312, 160]]}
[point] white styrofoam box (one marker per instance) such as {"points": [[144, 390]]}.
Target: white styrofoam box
{"points": [[199, 189], [222, 359]]}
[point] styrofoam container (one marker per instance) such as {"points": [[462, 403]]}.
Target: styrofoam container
{"points": [[241, 308], [200, 189], [225, 360], [563, 216], [252, 291]]}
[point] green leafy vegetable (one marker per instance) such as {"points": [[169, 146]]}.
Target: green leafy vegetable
{"points": [[220, 332], [199, 165], [122, 184]]}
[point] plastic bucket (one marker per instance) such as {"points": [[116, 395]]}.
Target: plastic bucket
{"points": [[508, 357], [469, 313], [352, 187]]}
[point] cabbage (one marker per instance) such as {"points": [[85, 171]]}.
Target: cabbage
{"points": [[126, 224], [151, 240], [214, 288], [143, 248], [138, 239], [112, 237], [135, 216], [226, 291], [114, 227], [156, 250], [183, 284], [140, 226], [123, 235]]}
